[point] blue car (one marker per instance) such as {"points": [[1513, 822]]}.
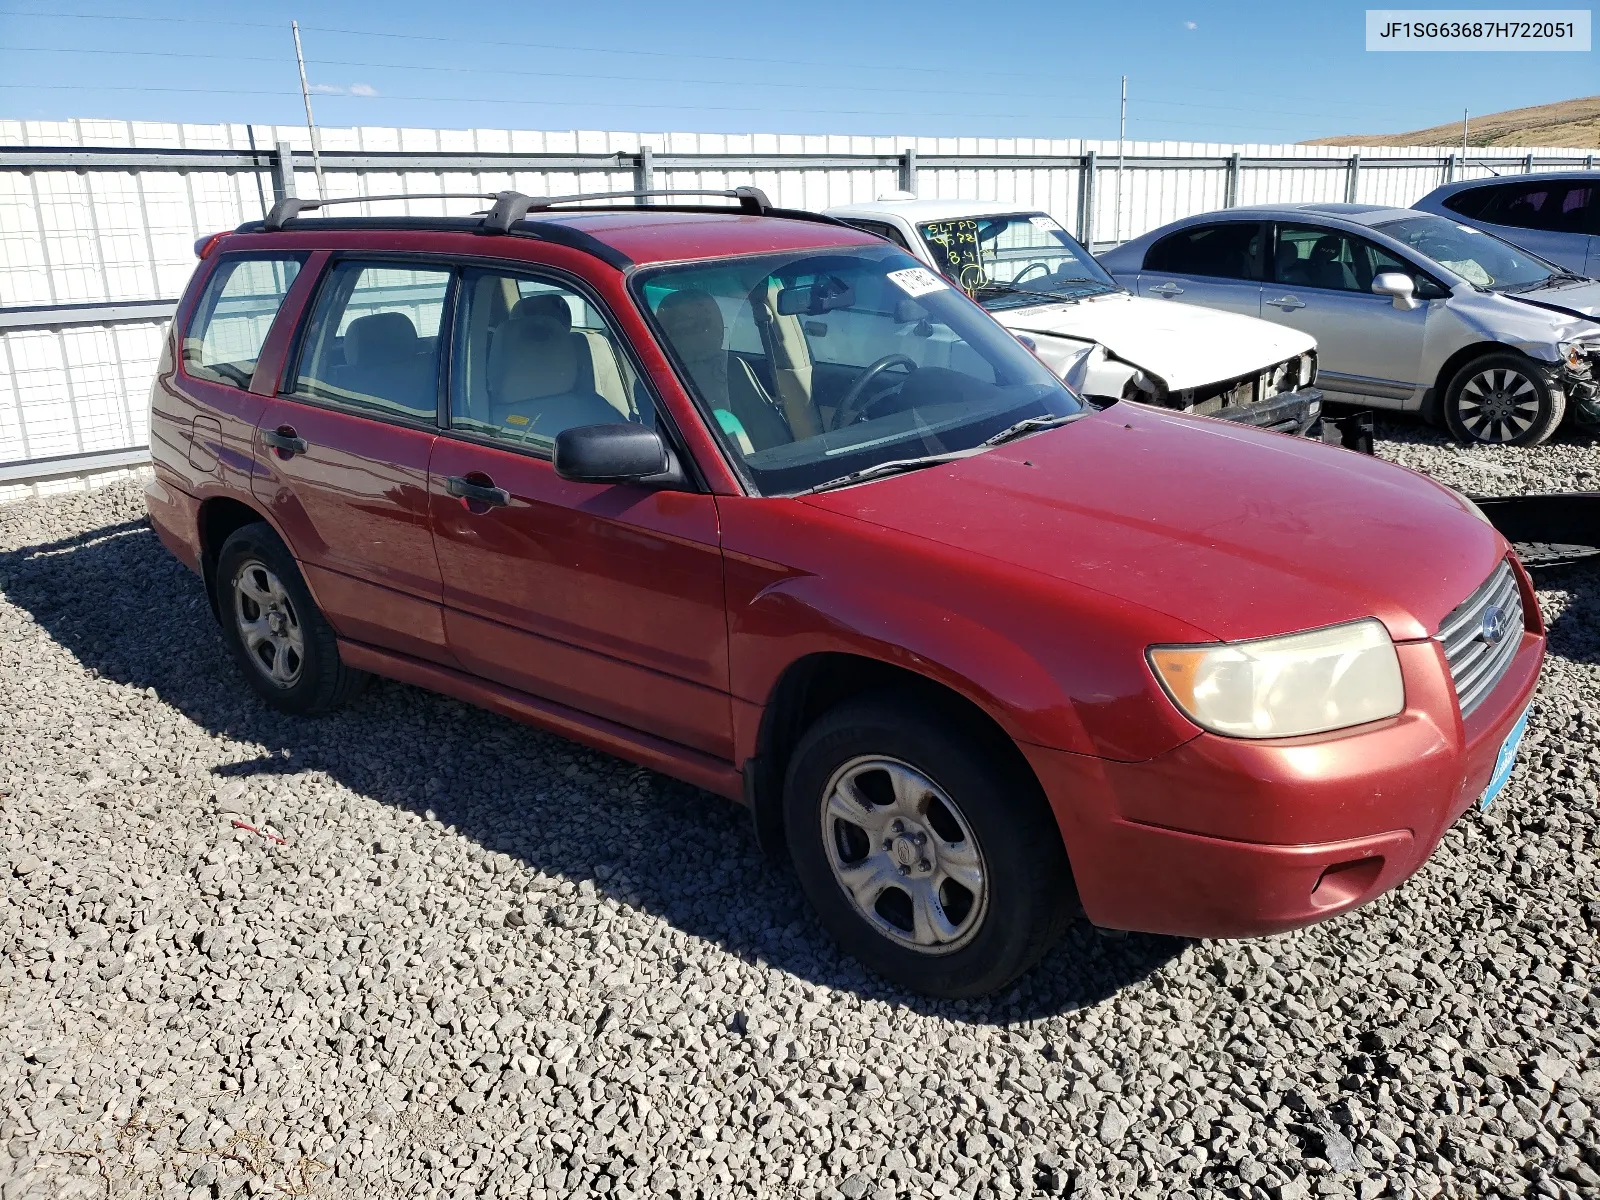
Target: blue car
{"points": [[1556, 215]]}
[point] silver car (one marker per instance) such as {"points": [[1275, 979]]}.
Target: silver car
{"points": [[1411, 311], [1556, 214]]}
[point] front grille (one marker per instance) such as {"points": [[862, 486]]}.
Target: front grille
{"points": [[1476, 665]]}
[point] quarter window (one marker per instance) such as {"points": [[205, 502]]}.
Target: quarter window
{"points": [[882, 229], [234, 315], [1226, 251], [533, 358], [373, 341]]}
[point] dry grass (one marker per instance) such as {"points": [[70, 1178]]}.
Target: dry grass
{"points": [[1567, 123]]}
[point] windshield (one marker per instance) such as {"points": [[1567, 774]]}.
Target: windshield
{"points": [[1476, 256], [1015, 260], [813, 365]]}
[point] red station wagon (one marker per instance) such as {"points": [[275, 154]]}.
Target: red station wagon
{"points": [[758, 501]]}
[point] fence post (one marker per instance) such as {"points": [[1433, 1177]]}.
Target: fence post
{"points": [[282, 172], [644, 174], [1527, 165], [1230, 195], [908, 171], [1588, 163], [1450, 169], [1086, 202], [1352, 179]]}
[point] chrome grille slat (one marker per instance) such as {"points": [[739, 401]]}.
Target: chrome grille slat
{"points": [[1476, 666]]}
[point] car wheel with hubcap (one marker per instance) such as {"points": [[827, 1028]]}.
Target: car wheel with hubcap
{"points": [[932, 857], [285, 646], [1503, 399]]}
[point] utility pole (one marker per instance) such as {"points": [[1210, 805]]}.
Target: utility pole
{"points": [[1122, 133], [1463, 138], [311, 124]]}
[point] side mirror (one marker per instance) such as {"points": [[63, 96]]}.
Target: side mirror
{"points": [[1399, 288], [616, 453]]}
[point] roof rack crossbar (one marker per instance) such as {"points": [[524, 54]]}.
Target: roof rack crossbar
{"points": [[292, 206], [511, 206]]}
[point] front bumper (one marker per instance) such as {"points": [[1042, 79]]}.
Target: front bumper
{"points": [[1229, 838], [1294, 413]]}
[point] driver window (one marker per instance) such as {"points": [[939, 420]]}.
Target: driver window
{"points": [[534, 358]]}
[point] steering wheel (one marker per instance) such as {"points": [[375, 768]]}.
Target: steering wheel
{"points": [[1029, 269], [848, 413]]}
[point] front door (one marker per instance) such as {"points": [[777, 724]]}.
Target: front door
{"points": [[1368, 351], [342, 455], [607, 599], [1215, 266], [1551, 217]]}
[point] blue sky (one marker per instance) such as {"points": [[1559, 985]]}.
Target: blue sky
{"points": [[1236, 72]]}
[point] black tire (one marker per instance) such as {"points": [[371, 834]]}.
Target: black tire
{"points": [[999, 813], [280, 639], [1503, 399]]}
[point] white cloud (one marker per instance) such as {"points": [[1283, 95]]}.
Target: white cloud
{"points": [[363, 89], [1189, 25], [326, 89]]}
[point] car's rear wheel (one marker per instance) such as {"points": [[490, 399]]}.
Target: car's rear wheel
{"points": [[1503, 399], [930, 857], [286, 648]]}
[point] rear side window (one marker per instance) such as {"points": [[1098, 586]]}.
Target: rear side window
{"points": [[373, 340], [231, 322], [1226, 251], [1558, 207]]}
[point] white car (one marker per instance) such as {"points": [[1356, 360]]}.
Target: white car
{"points": [[1038, 281]]}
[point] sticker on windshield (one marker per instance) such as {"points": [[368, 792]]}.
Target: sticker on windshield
{"points": [[1049, 223], [917, 281]]}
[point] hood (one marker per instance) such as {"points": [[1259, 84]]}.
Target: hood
{"points": [[1236, 531], [1580, 300], [1183, 345]]}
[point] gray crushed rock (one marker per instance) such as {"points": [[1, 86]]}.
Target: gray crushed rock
{"points": [[486, 962]]}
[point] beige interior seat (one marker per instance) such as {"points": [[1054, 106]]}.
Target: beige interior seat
{"points": [[594, 352]]}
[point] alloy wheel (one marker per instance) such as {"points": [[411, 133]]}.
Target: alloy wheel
{"points": [[904, 854], [268, 624], [1498, 405]]}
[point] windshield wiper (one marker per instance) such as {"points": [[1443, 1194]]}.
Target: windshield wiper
{"points": [[1567, 277], [1095, 288], [1032, 425], [892, 467]]}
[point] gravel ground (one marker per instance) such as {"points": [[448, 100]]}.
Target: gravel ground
{"points": [[461, 958]]}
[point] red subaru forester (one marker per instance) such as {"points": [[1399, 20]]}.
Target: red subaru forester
{"points": [[758, 501]]}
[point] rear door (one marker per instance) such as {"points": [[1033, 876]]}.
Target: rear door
{"points": [[1215, 265], [605, 598], [342, 453], [1367, 349]]}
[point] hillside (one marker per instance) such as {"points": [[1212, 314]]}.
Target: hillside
{"points": [[1570, 123]]}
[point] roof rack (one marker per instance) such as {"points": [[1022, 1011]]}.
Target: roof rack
{"points": [[510, 207]]}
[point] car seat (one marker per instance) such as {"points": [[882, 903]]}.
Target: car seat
{"points": [[1324, 270], [534, 385], [383, 359]]}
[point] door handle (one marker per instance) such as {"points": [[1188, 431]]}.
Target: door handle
{"points": [[1167, 291], [1287, 302], [483, 493], [284, 440]]}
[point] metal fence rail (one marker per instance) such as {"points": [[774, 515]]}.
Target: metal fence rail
{"points": [[96, 241]]}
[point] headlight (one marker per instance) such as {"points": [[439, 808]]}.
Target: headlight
{"points": [[1308, 369], [1285, 686], [1575, 354]]}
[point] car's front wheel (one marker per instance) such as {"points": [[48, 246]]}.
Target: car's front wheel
{"points": [[930, 857], [1503, 399], [279, 637]]}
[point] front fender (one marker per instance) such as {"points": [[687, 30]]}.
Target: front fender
{"points": [[1053, 665]]}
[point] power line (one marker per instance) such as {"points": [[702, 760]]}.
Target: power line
{"points": [[422, 37], [545, 101]]}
